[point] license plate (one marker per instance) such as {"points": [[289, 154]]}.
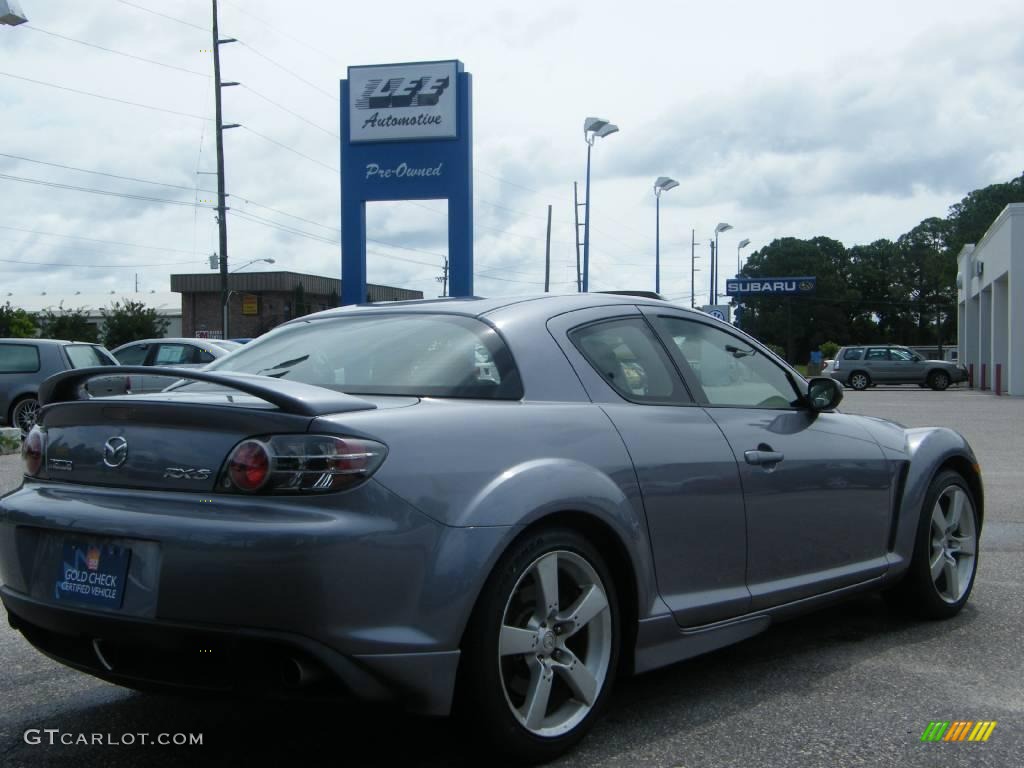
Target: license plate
{"points": [[92, 573]]}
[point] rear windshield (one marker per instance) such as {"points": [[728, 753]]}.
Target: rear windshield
{"points": [[395, 354], [854, 353], [84, 356]]}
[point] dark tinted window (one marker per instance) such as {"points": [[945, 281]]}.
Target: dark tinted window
{"points": [[84, 356], [386, 354], [18, 358], [135, 355], [853, 353], [204, 356], [629, 357]]}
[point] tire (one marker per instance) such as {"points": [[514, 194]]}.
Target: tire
{"points": [[859, 381], [23, 413], [938, 380], [954, 550], [516, 651]]}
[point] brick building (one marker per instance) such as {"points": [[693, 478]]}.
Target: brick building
{"points": [[259, 301]]}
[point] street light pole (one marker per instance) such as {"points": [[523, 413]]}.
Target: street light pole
{"points": [[722, 227], [593, 128], [661, 184], [740, 246]]}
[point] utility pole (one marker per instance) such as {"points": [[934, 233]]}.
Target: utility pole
{"points": [[443, 278], [222, 208], [576, 213], [693, 268], [547, 256]]}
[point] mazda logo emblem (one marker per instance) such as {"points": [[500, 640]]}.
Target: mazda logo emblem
{"points": [[115, 452]]}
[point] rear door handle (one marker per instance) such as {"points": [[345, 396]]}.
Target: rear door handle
{"points": [[763, 458]]}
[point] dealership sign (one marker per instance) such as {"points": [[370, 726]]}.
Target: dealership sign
{"points": [[406, 134], [403, 102], [775, 286]]}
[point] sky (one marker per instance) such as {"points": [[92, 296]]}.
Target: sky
{"points": [[853, 121]]}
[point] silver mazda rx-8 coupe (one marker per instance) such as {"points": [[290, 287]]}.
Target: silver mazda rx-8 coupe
{"points": [[492, 507]]}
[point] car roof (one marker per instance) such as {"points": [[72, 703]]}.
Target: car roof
{"points": [[476, 306], [50, 342], [168, 340]]}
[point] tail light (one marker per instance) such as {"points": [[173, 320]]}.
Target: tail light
{"points": [[32, 450], [300, 464]]}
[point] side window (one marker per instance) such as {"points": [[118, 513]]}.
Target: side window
{"points": [[876, 354], [173, 354], [629, 357], [132, 355], [203, 356], [902, 355], [727, 368], [853, 353], [18, 358]]}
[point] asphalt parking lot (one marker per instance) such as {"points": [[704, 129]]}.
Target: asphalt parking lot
{"points": [[851, 686]]}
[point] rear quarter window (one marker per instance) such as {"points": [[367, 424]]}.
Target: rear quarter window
{"points": [[19, 358], [855, 353]]}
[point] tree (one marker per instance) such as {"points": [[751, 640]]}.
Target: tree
{"points": [[68, 324], [130, 321], [799, 323], [16, 323]]}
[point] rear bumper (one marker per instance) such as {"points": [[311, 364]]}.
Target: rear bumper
{"points": [[361, 585], [173, 657]]}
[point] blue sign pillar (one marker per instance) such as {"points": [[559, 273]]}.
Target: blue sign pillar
{"points": [[406, 134]]}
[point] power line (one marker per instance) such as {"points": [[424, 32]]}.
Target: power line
{"points": [[506, 181], [275, 29], [290, 149], [283, 68], [93, 239], [290, 112], [119, 53], [103, 173], [164, 15], [93, 191], [99, 266], [105, 98]]}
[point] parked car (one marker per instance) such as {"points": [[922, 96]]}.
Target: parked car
{"points": [[25, 363], [163, 353], [348, 506], [864, 366]]}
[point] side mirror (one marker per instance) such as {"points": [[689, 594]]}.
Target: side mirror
{"points": [[824, 394]]}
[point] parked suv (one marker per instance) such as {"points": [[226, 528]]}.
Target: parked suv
{"points": [[865, 366], [24, 363]]}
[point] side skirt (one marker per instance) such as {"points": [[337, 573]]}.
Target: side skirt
{"points": [[661, 641]]}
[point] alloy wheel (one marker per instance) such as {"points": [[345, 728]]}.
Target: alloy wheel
{"points": [[954, 544], [555, 643], [24, 416], [859, 381]]}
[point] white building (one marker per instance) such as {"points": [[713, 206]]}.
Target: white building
{"points": [[990, 311], [167, 305]]}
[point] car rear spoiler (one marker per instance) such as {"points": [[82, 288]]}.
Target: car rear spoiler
{"points": [[290, 396]]}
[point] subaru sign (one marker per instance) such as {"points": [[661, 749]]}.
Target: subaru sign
{"points": [[406, 134], [773, 286]]}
